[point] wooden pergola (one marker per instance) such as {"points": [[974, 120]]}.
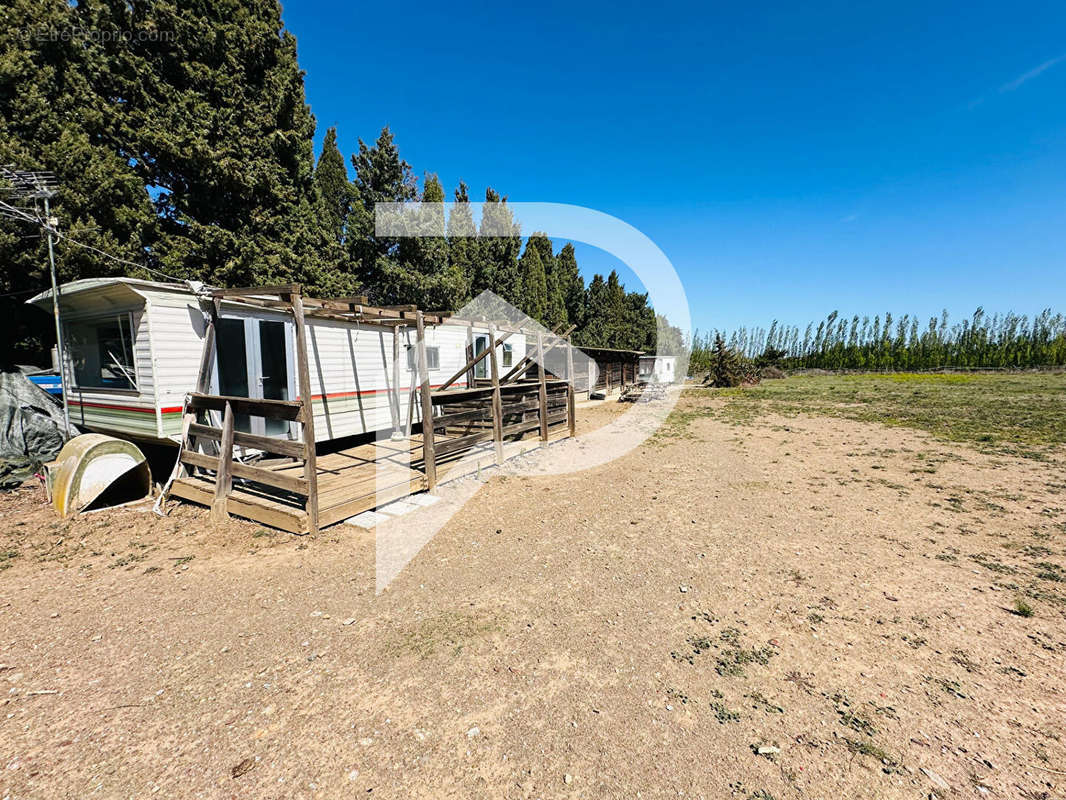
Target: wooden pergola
{"points": [[296, 489]]}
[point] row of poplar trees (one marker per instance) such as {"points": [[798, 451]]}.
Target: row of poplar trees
{"points": [[182, 141], [887, 343]]}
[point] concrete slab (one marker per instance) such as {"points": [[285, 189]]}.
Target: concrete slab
{"points": [[367, 520], [424, 499], [399, 508]]}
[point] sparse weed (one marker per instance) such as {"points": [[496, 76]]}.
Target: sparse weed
{"points": [[1022, 608]]}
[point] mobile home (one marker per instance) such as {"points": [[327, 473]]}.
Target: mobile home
{"points": [[658, 369], [263, 387], [134, 352]]}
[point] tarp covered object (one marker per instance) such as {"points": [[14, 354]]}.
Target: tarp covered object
{"points": [[31, 429]]}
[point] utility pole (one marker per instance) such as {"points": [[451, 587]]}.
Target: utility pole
{"points": [[19, 192], [49, 224]]}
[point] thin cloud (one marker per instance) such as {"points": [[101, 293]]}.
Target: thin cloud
{"points": [[1033, 73]]}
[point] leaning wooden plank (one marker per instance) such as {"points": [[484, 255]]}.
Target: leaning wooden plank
{"points": [[223, 467], [473, 362], [269, 477], [272, 409], [523, 365], [284, 447]]}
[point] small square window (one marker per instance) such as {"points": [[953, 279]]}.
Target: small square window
{"points": [[508, 355], [432, 358]]}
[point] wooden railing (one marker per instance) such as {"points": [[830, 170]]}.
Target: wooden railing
{"points": [[197, 426]]}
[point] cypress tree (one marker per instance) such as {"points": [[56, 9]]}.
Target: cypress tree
{"points": [[571, 285], [533, 298], [595, 331], [640, 325], [332, 189], [554, 303], [617, 313], [499, 243], [438, 284], [381, 176], [462, 241]]}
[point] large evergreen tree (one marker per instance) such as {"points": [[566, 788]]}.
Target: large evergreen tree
{"points": [[533, 296], [214, 122], [381, 176], [554, 302], [332, 188], [596, 331], [617, 313], [54, 117], [186, 147], [462, 241], [499, 243], [438, 283], [333, 204], [571, 285]]}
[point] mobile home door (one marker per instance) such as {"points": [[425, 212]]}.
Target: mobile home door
{"points": [[254, 359]]}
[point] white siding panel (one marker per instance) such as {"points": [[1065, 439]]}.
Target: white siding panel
{"points": [[178, 333]]}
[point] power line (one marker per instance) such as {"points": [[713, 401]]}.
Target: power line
{"points": [[23, 291], [114, 258]]}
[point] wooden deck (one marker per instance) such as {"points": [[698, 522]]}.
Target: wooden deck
{"points": [[294, 487], [350, 481]]}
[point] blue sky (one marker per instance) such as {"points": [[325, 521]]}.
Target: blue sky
{"points": [[788, 160]]}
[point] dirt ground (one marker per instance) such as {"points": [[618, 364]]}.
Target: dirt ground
{"points": [[804, 607]]}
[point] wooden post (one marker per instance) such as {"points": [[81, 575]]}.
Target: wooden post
{"points": [[497, 400], [470, 354], [429, 457], [223, 475], [394, 395], [592, 377], [543, 388], [571, 406], [307, 416]]}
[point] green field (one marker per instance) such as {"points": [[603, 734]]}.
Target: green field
{"points": [[1018, 413]]}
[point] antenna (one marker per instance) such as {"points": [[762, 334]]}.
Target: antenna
{"points": [[20, 190]]}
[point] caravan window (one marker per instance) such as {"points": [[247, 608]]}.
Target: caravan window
{"points": [[432, 358], [101, 352]]}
